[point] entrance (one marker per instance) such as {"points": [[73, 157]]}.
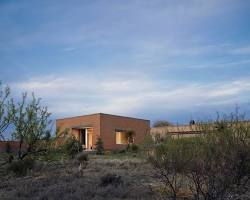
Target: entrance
{"points": [[86, 135], [83, 133]]}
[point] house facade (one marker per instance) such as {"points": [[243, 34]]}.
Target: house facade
{"points": [[112, 129]]}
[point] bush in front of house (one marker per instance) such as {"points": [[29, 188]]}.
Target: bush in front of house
{"points": [[21, 167], [99, 147], [82, 157], [132, 148], [72, 147]]}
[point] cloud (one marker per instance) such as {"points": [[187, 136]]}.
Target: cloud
{"points": [[69, 49], [245, 50], [74, 95]]}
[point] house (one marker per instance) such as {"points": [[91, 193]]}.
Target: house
{"points": [[192, 129], [176, 131], [112, 129]]}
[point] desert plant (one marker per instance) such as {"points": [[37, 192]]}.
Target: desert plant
{"points": [[83, 160], [82, 157], [214, 165], [99, 147], [162, 123], [111, 179], [224, 162], [31, 123], [133, 148], [169, 160], [20, 167], [72, 147], [7, 110]]}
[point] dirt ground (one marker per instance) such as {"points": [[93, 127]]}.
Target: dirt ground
{"points": [[102, 179]]}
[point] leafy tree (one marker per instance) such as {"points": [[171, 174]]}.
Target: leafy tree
{"points": [[99, 147], [162, 123], [6, 109], [31, 124]]}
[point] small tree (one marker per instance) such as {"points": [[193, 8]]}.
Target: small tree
{"points": [[72, 147], [31, 124], [212, 166], [162, 123], [6, 109], [99, 147]]}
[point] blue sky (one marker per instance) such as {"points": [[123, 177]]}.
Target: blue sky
{"points": [[173, 60]]}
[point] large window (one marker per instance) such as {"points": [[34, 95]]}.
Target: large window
{"points": [[121, 137]]}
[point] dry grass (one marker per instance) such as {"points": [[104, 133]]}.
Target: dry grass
{"points": [[63, 180]]}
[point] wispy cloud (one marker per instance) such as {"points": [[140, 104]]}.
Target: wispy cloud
{"points": [[244, 50], [69, 49], [73, 95], [127, 57]]}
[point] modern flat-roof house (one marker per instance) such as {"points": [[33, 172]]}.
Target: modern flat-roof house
{"points": [[112, 129]]}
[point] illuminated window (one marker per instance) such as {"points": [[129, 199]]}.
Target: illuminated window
{"points": [[121, 137]]}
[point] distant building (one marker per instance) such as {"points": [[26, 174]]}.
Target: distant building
{"points": [[112, 129], [176, 131]]}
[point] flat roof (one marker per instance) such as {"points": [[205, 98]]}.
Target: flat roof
{"points": [[102, 114]]}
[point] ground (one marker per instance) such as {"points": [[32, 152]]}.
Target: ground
{"points": [[113, 176], [103, 178]]}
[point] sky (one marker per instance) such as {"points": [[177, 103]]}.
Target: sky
{"points": [[172, 60]]}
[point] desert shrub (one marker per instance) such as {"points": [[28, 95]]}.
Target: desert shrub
{"points": [[83, 160], [223, 166], [122, 151], [99, 147], [211, 166], [72, 147], [82, 157], [169, 160], [8, 147], [111, 179], [20, 167], [115, 151], [162, 123], [132, 148]]}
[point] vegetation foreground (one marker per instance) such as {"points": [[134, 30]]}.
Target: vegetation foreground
{"points": [[215, 165], [101, 179]]}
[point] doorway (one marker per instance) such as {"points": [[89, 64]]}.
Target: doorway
{"points": [[86, 138], [83, 133]]}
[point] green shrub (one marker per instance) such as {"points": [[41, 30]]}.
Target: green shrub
{"points": [[213, 166], [83, 160], [82, 157], [122, 151], [133, 148], [20, 167], [72, 147], [99, 147]]}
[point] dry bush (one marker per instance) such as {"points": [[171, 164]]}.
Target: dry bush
{"points": [[215, 165], [62, 181], [111, 179], [21, 167]]}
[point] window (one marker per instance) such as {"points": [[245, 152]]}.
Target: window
{"points": [[121, 137]]}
